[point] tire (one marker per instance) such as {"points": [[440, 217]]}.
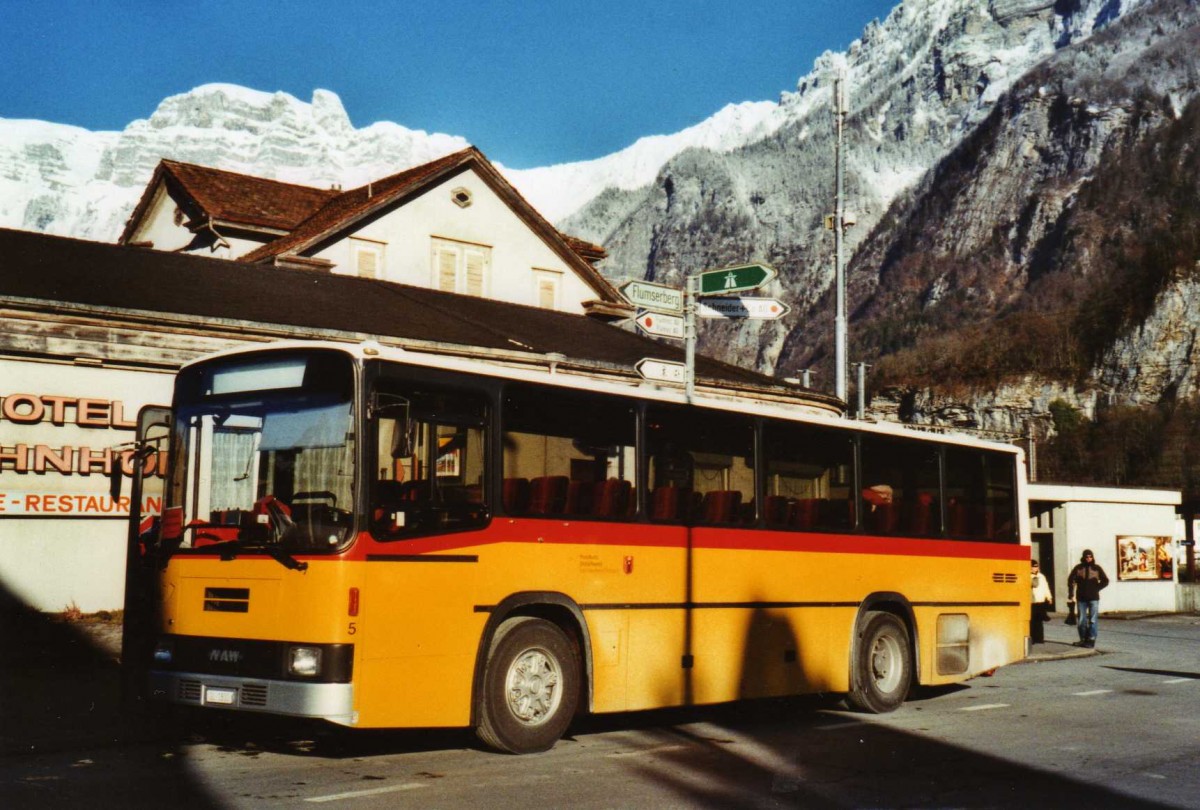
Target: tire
{"points": [[882, 671], [530, 687]]}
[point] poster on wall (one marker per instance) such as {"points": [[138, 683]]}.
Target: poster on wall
{"points": [[1144, 558]]}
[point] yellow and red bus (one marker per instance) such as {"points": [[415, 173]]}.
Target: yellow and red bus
{"points": [[384, 538]]}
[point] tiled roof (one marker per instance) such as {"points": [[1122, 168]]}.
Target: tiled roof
{"points": [[250, 200], [586, 249], [345, 207], [237, 198], [52, 268]]}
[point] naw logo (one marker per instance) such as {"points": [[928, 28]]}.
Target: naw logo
{"points": [[218, 656]]}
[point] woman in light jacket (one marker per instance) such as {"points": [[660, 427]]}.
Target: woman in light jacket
{"points": [[1039, 604]]}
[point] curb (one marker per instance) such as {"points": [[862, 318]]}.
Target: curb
{"points": [[1058, 651]]}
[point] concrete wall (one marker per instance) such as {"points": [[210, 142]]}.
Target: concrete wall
{"points": [[1097, 526], [1093, 518], [1187, 598]]}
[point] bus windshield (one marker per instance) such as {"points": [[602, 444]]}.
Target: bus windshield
{"points": [[263, 453]]}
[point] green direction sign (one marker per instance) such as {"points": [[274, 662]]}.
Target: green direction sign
{"points": [[741, 278]]}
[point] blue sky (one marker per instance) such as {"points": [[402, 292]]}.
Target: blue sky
{"points": [[531, 83]]}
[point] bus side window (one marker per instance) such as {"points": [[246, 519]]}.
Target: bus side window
{"points": [[568, 453], [980, 497], [901, 487], [430, 461], [809, 478], [701, 466]]}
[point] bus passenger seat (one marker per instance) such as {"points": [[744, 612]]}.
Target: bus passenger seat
{"points": [[775, 510], [548, 495], [612, 498], [665, 503], [885, 518], [579, 497], [805, 513], [923, 516], [721, 506], [516, 496], [835, 514]]}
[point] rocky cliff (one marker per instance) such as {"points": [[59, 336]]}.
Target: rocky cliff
{"points": [[1055, 246]]}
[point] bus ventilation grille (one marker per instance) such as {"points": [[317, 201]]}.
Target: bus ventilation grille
{"points": [[190, 691], [1005, 578], [254, 694]]}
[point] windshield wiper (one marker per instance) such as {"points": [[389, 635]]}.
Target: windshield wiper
{"points": [[229, 550]]}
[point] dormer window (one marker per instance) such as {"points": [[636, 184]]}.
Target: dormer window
{"points": [[461, 197]]}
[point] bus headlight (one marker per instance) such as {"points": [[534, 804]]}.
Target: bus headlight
{"points": [[304, 661]]}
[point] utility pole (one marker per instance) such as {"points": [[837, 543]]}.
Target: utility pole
{"points": [[862, 389], [840, 109], [691, 287]]}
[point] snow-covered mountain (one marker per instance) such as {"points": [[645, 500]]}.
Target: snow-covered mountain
{"points": [[65, 180], [68, 181]]}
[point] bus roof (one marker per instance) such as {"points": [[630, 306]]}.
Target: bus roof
{"points": [[558, 371]]}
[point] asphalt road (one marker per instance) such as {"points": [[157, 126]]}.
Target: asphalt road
{"points": [[1117, 729]]}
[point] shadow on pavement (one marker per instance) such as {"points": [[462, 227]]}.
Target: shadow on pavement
{"points": [[66, 742], [61, 716], [738, 758]]}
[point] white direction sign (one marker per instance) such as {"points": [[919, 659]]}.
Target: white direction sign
{"points": [[655, 323], [658, 297], [661, 370], [756, 309]]}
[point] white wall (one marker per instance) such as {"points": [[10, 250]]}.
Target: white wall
{"points": [[62, 539], [516, 250], [1096, 526]]}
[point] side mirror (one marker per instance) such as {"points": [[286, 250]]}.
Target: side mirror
{"points": [[153, 424], [153, 428]]}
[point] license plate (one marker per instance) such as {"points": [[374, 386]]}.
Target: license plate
{"points": [[220, 697]]}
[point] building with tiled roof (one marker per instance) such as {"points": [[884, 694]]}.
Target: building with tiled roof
{"points": [[90, 332], [454, 224]]}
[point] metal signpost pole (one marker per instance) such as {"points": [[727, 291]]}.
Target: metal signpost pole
{"points": [[691, 284], [839, 104]]}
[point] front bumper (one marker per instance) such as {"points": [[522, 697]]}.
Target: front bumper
{"points": [[326, 701]]}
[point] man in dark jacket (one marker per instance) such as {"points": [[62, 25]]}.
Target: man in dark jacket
{"points": [[1083, 586]]}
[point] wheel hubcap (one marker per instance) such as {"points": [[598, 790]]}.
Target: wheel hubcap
{"points": [[532, 686], [886, 666]]}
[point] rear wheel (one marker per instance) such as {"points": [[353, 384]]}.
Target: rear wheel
{"points": [[883, 669], [530, 686]]}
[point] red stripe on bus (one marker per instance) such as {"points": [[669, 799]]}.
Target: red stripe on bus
{"points": [[643, 535]]}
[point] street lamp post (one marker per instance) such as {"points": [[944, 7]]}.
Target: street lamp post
{"points": [[840, 108]]}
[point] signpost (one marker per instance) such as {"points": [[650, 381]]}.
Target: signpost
{"points": [[657, 297], [659, 304], [755, 309], [660, 325], [740, 278], [661, 370]]}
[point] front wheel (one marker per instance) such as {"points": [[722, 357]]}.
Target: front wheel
{"points": [[530, 686], [883, 669]]}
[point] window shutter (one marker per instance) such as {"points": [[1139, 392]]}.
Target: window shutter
{"points": [[475, 265], [368, 263], [546, 290], [447, 270]]}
